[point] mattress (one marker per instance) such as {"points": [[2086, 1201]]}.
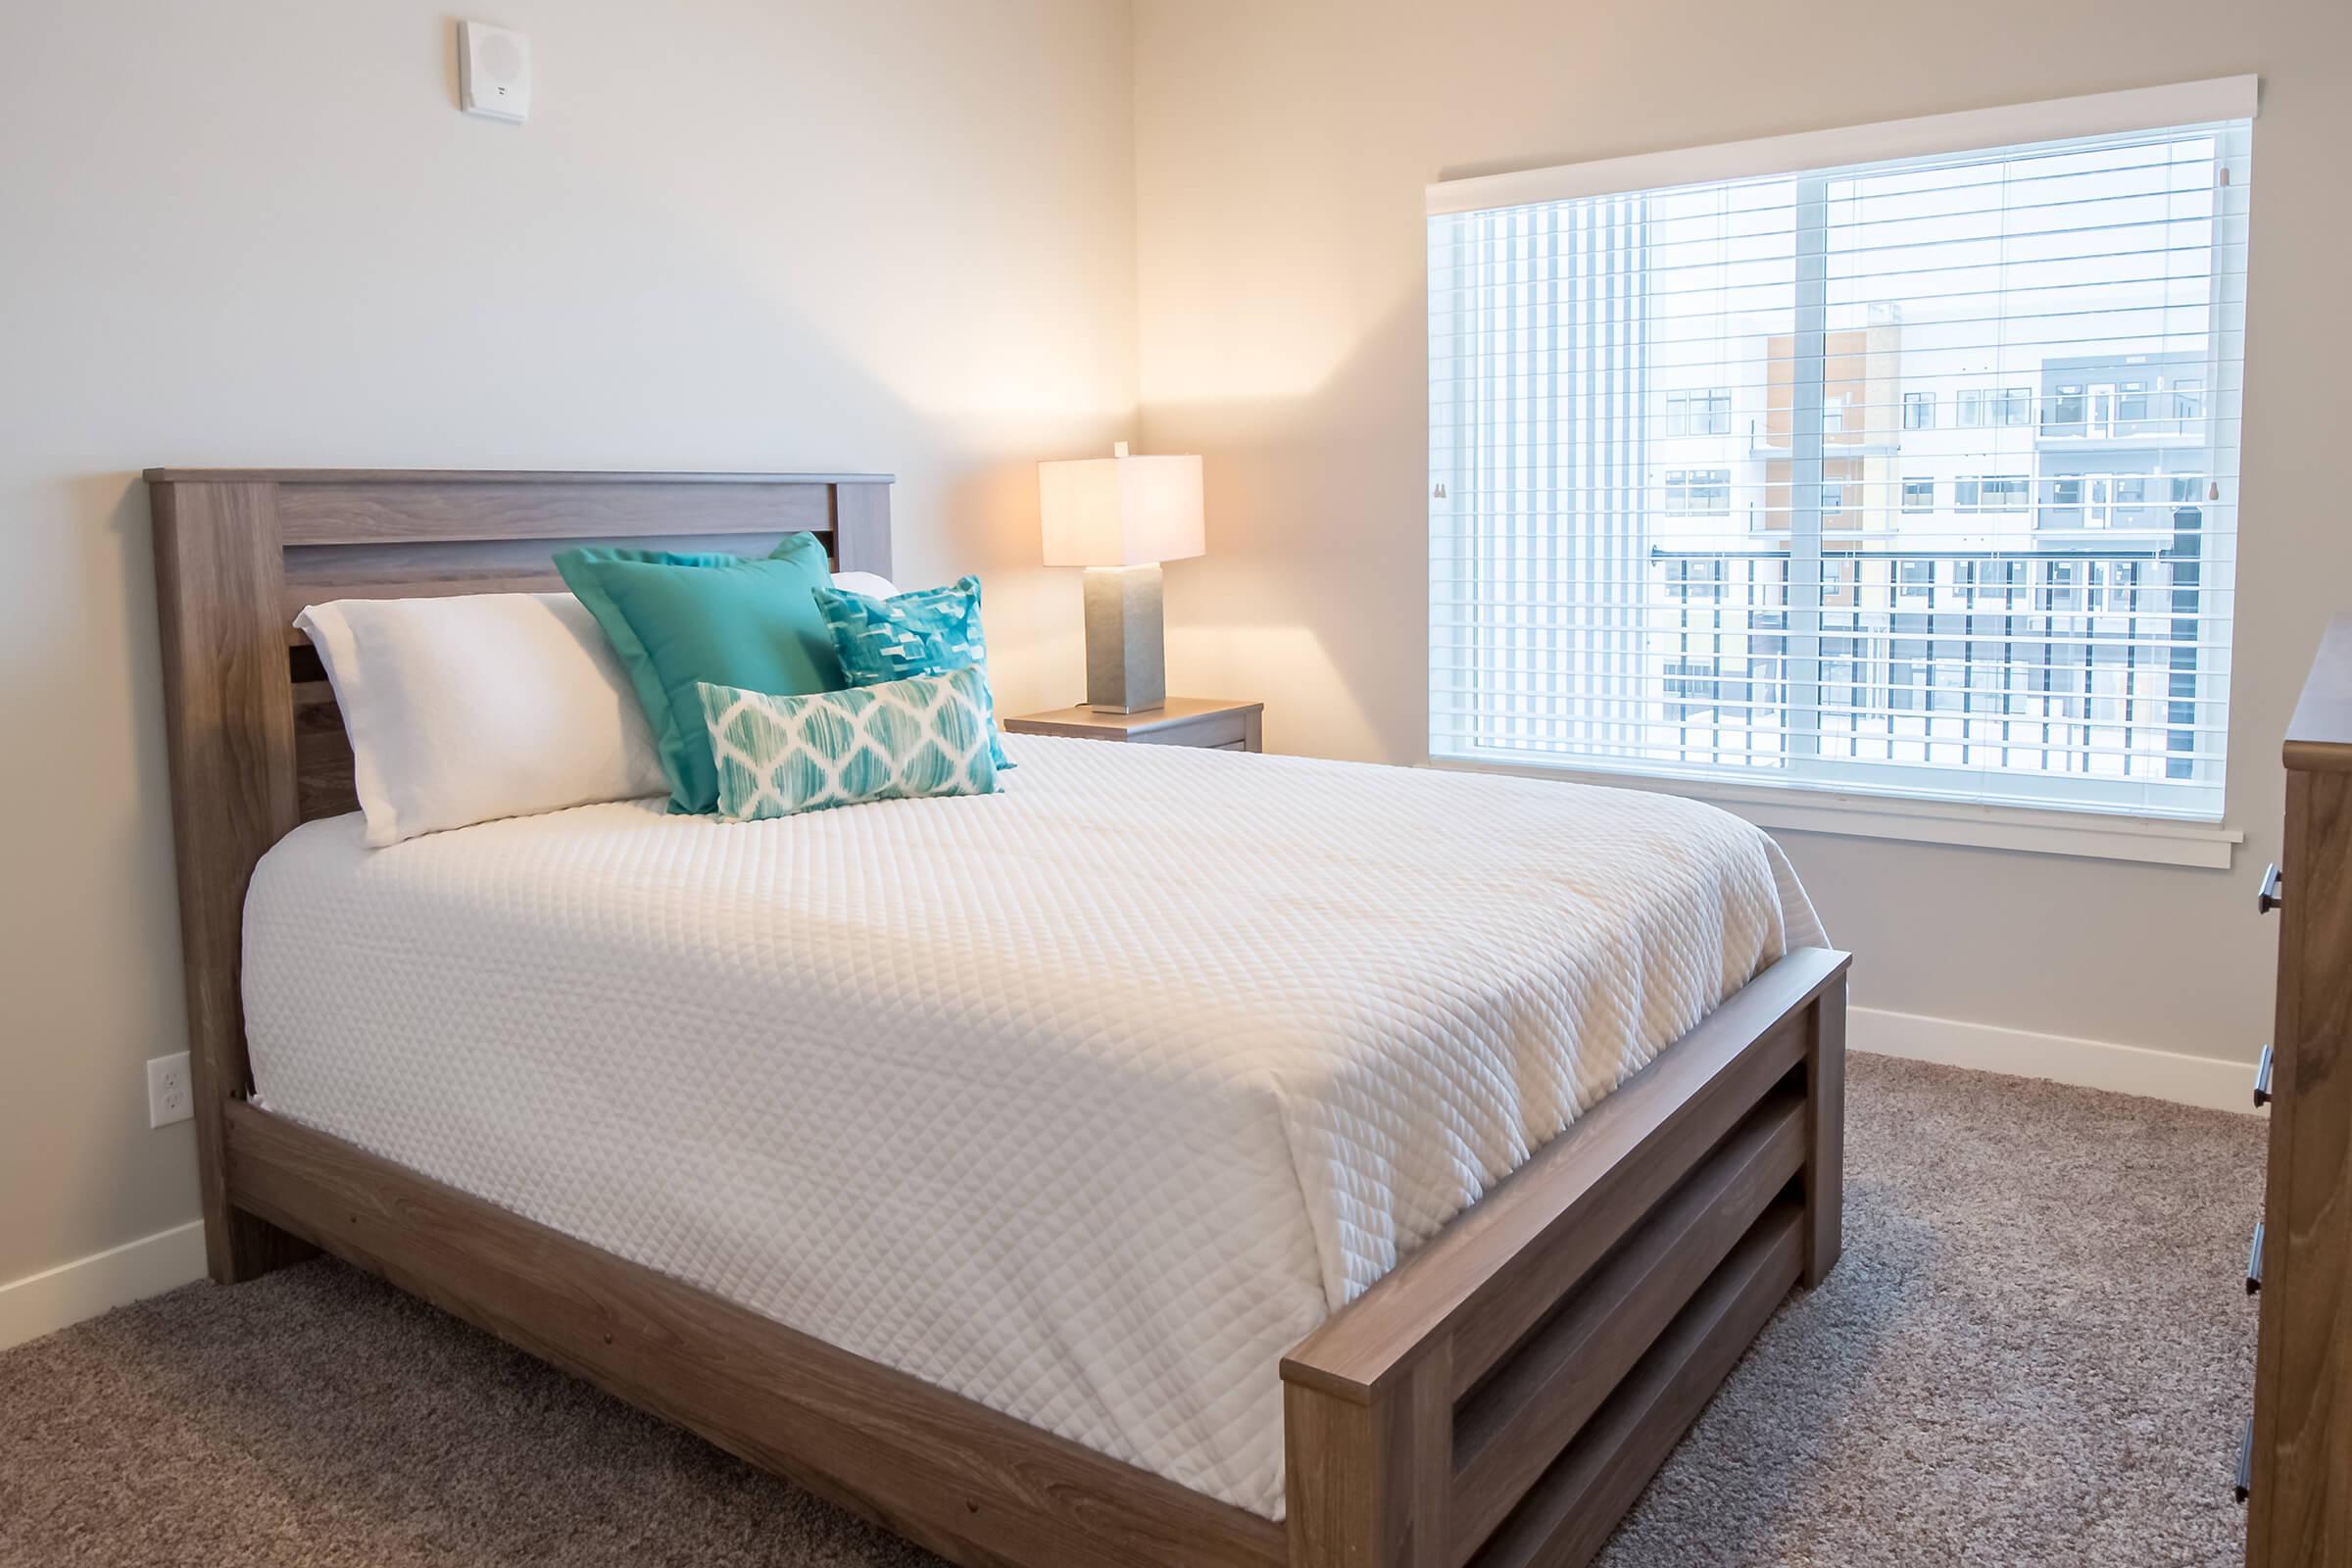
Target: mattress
{"points": [[1087, 1099]]}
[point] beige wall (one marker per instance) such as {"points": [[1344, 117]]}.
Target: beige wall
{"points": [[1282, 147], [882, 234]]}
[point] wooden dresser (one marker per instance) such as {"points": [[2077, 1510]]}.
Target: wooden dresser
{"points": [[2297, 1469]]}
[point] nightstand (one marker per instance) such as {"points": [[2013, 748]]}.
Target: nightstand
{"points": [[1182, 722]]}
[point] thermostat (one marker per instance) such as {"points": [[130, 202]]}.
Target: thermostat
{"points": [[494, 71]]}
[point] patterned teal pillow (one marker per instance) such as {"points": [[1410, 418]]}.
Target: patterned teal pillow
{"points": [[927, 632], [903, 739]]}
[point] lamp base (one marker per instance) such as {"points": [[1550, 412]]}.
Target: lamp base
{"points": [[1126, 646]]}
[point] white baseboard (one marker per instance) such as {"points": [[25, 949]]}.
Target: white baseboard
{"points": [[2124, 1069], [60, 1296]]}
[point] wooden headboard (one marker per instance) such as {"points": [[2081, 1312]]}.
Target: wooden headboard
{"points": [[254, 741]]}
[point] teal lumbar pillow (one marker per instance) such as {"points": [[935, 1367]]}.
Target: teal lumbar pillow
{"points": [[927, 735], [929, 631], [677, 621]]}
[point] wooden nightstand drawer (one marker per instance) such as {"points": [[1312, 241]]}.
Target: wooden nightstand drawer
{"points": [[1195, 721], [1215, 731]]}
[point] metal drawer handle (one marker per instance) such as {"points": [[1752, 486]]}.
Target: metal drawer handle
{"points": [[2245, 1465], [2271, 895], [2261, 1077], [2254, 1263]]}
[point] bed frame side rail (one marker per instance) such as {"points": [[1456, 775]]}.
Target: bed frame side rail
{"points": [[1502, 1398]]}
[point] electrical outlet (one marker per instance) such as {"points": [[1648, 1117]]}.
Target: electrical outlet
{"points": [[170, 1096]]}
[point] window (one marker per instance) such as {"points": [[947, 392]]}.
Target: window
{"points": [[1583, 618], [1837, 582], [1997, 493], [1702, 492], [1902, 685], [1699, 580], [1707, 412]]}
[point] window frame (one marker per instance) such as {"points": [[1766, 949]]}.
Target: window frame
{"points": [[2181, 837]]}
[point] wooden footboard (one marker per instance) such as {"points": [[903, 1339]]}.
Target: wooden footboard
{"points": [[1503, 1397]]}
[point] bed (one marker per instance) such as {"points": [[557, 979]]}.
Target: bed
{"points": [[1161, 1162]]}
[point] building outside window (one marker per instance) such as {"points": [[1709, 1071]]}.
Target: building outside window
{"points": [[1919, 494], [1918, 411]]}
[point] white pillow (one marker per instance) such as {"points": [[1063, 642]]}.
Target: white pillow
{"points": [[482, 706], [866, 583]]}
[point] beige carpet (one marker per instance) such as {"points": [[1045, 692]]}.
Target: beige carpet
{"points": [[2037, 1351]]}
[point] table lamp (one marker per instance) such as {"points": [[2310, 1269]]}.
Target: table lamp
{"points": [[1119, 517]]}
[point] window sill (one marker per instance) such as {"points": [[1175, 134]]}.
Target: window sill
{"points": [[1796, 809]]}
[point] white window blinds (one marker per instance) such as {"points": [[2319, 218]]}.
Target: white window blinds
{"points": [[1916, 476]]}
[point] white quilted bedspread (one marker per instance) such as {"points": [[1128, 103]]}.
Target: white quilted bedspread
{"points": [[1087, 1099]]}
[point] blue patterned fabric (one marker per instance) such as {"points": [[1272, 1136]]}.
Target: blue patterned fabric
{"points": [[901, 740], [931, 631]]}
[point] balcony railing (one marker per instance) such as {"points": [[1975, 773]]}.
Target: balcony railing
{"points": [[2086, 662]]}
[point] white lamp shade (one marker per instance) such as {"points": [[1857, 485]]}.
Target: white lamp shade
{"points": [[1120, 512]]}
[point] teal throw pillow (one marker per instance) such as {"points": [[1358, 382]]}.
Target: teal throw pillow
{"points": [[900, 740], [927, 632], [677, 621]]}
